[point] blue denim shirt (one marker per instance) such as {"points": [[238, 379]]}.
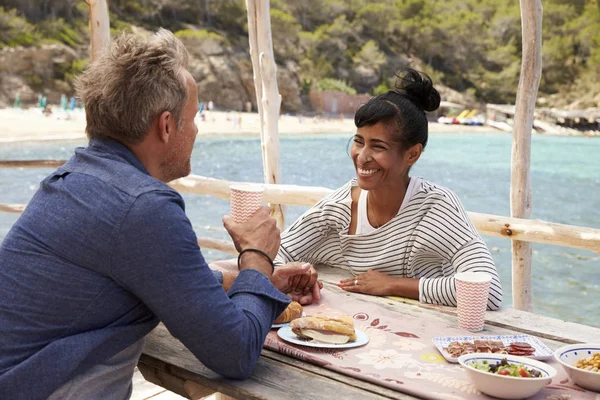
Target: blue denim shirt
{"points": [[102, 253]]}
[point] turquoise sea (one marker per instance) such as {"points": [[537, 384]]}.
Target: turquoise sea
{"points": [[565, 181]]}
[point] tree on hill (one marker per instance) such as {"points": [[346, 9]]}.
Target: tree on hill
{"points": [[474, 45]]}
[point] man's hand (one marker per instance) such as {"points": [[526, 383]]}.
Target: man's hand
{"points": [[259, 232], [299, 282]]}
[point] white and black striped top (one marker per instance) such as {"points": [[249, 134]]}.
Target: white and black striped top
{"points": [[432, 238]]}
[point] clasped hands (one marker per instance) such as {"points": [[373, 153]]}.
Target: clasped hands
{"points": [[297, 280]]}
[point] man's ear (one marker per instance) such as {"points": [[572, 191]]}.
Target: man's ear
{"points": [[165, 126], [414, 153]]}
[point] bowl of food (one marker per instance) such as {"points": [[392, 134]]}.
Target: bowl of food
{"points": [[582, 364], [506, 376]]}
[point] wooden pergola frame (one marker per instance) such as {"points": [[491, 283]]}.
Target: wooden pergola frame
{"points": [[269, 102], [520, 228], [520, 177]]}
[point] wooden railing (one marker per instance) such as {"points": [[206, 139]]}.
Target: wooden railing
{"points": [[527, 230]]}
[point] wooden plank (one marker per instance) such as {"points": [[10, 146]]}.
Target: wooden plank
{"points": [[144, 389], [31, 163], [284, 194], [12, 208], [215, 244], [520, 189], [271, 379], [197, 392], [221, 396], [164, 379], [487, 224], [533, 230]]}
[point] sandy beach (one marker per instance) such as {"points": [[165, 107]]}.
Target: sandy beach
{"points": [[31, 125]]}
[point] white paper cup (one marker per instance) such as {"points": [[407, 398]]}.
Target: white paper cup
{"points": [[472, 290], [245, 200]]}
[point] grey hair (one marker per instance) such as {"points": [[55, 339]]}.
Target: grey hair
{"points": [[133, 83]]}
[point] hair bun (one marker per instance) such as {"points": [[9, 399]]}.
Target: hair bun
{"points": [[418, 87]]}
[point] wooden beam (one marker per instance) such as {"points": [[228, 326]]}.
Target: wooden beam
{"points": [[31, 163], [12, 208], [526, 230], [537, 231], [274, 193], [215, 244], [520, 190], [99, 27], [268, 99]]}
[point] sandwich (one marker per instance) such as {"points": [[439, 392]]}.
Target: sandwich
{"points": [[293, 311], [331, 330]]}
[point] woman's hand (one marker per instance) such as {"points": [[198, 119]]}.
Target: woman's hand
{"points": [[298, 280], [371, 282], [380, 284]]}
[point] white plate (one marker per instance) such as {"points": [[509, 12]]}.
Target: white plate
{"points": [[542, 352], [286, 334]]}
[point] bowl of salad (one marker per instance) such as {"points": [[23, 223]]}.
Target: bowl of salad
{"points": [[505, 376], [582, 364]]}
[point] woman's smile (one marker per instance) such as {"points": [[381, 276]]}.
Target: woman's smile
{"points": [[367, 172]]}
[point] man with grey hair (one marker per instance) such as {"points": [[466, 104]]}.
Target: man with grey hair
{"points": [[104, 250]]}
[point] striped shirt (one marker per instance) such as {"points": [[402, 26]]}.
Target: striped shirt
{"points": [[431, 238]]}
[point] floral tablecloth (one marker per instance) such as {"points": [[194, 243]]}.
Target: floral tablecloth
{"points": [[400, 354]]}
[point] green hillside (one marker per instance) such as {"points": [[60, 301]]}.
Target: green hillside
{"points": [[471, 46]]}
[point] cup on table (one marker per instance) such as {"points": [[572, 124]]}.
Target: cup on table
{"points": [[245, 200], [472, 290]]}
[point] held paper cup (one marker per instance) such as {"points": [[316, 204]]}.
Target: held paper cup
{"points": [[245, 200], [472, 289]]}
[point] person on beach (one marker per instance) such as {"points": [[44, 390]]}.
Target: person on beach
{"points": [[104, 250], [398, 234]]}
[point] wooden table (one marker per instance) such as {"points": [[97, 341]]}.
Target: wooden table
{"points": [[166, 362]]}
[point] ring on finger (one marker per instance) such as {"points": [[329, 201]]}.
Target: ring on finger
{"points": [[356, 282]]}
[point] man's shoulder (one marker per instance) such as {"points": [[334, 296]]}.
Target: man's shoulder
{"points": [[110, 170]]}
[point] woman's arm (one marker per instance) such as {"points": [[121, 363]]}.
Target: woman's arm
{"points": [[474, 256], [446, 234], [303, 239], [381, 284]]}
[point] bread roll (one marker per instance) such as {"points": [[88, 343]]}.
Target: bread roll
{"points": [[293, 311], [333, 330]]}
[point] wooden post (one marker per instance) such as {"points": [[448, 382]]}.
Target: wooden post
{"points": [[99, 27], [268, 99], [520, 190]]}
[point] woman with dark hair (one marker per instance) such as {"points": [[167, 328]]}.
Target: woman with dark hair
{"points": [[398, 235]]}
